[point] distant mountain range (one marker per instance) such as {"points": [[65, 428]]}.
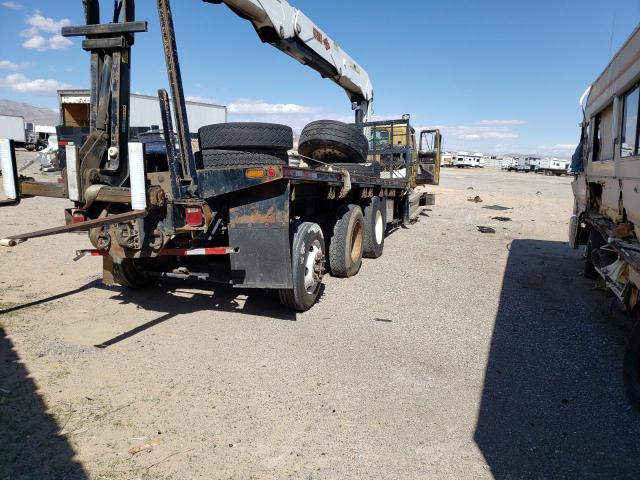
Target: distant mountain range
{"points": [[37, 115]]}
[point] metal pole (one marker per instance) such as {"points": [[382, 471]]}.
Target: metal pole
{"points": [[169, 141], [175, 81]]}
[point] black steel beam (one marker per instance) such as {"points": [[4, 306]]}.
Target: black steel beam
{"points": [[175, 81], [105, 29], [103, 43], [175, 167]]}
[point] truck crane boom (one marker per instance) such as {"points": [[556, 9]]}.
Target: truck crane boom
{"points": [[290, 30]]}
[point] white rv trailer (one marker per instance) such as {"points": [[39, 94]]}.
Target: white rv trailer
{"points": [[552, 166]]}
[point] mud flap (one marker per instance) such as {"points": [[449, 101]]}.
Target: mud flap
{"points": [[259, 228]]}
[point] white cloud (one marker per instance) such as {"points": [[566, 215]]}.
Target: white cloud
{"points": [[7, 65], [189, 98], [562, 150], [43, 33], [21, 84], [500, 122], [478, 132], [41, 23], [11, 5], [258, 107]]}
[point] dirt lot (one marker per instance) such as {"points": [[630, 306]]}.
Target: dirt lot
{"points": [[456, 355]]}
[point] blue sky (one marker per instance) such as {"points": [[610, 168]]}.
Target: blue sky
{"points": [[496, 76]]}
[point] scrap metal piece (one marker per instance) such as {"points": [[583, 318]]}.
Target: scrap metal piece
{"points": [[13, 240]]}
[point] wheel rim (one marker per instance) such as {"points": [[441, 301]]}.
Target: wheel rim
{"points": [[313, 267], [379, 228], [356, 242]]}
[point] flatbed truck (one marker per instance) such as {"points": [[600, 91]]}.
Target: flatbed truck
{"points": [[236, 212]]}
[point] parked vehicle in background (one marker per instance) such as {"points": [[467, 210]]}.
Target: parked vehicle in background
{"points": [[13, 128], [48, 156], [523, 164], [606, 216], [552, 166]]}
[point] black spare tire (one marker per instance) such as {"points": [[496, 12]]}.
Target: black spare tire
{"points": [[246, 136], [236, 158], [331, 141]]}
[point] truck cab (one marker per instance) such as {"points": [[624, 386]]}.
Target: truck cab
{"points": [[392, 144]]}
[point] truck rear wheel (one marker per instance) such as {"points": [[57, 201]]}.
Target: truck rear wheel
{"points": [[631, 371], [128, 274], [375, 225], [307, 262], [347, 241], [330, 141]]}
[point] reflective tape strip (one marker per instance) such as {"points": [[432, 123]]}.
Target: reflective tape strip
{"points": [[137, 177], [73, 185], [169, 252], [8, 171]]}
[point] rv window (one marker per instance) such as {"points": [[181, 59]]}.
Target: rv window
{"points": [[597, 138], [629, 137]]}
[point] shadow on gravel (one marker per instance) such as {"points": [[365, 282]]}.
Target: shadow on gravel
{"points": [[552, 403], [173, 298], [52, 298], [30, 446]]}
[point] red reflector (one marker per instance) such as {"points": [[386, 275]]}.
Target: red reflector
{"points": [[194, 216], [63, 143], [271, 172], [78, 217]]}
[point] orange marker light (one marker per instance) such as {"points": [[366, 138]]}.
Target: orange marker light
{"points": [[255, 173]]}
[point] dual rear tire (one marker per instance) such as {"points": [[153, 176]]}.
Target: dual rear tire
{"points": [[307, 265], [357, 233], [354, 234]]}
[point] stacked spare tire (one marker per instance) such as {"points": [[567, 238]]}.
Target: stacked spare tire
{"points": [[226, 145], [341, 145]]}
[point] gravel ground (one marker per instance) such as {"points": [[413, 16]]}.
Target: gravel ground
{"points": [[456, 355]]}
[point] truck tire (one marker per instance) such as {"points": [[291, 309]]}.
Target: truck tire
{"points": [[307, 263], [129, 275], [375, 226], [333, 142], [631, 367], [236, 158], [347, 240], [369, 169], [246, 136]]}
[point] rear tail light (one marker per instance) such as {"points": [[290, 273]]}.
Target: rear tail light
{"points": [[194, 216], [78, 217]]}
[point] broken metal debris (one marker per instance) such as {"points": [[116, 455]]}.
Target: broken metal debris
{"points": [[497, 207]]}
